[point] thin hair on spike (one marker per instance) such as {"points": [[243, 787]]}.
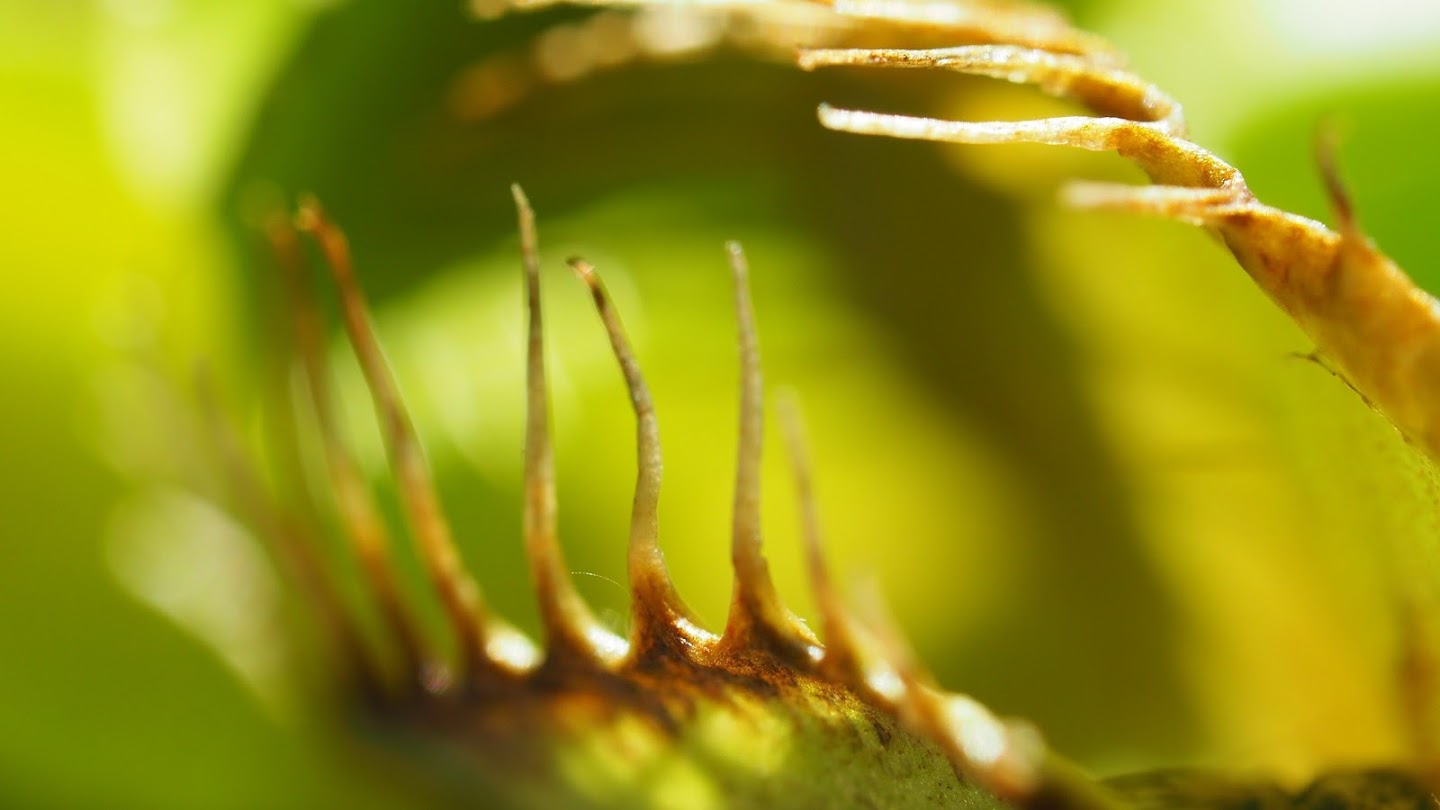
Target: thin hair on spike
{"points": [[573, 636], [457, 590], [356, 508]]}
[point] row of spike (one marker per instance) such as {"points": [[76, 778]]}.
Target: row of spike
{"points": [[870, 658], [487, 647]]}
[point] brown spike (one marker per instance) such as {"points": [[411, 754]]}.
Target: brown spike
{"points": [[287, 544], [1104, 89], [1008, 759], [1326, 146], [657, 609], [572, 633], [364, 527], [457, 590], [757, 617]]}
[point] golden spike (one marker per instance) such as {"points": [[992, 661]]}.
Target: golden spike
{"points": [[1164, 158], [458, 592], [1199, 206], [757, 617], [573, 636], [1107, 90], [1326, 145], [364, 527], [1005, 760], [658, 611]]}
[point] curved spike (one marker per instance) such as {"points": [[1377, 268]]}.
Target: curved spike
{"points": [[657, 609], [457, 590], [287, 544], [1106, 90], [364, 527], [572, 633], [757, 616], [841, 645], [1164, 158]]}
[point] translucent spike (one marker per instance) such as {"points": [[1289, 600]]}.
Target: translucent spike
{"points": [[657, 608], [1106, 90], [458, 592], [572, 633], [288, 545], [835, 624], [364, 527], [756, 613]]}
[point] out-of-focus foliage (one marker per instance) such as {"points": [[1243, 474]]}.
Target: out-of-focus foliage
{"points": [[1072, 449]]}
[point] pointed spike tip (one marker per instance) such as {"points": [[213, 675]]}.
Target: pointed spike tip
{"points": [[573, 635], [424, 516]]}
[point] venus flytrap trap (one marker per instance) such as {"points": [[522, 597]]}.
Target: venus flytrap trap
{"points": [[762, 714], [766, 712]]}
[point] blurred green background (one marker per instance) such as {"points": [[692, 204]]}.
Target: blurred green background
{"points": [[1073, 449]]}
